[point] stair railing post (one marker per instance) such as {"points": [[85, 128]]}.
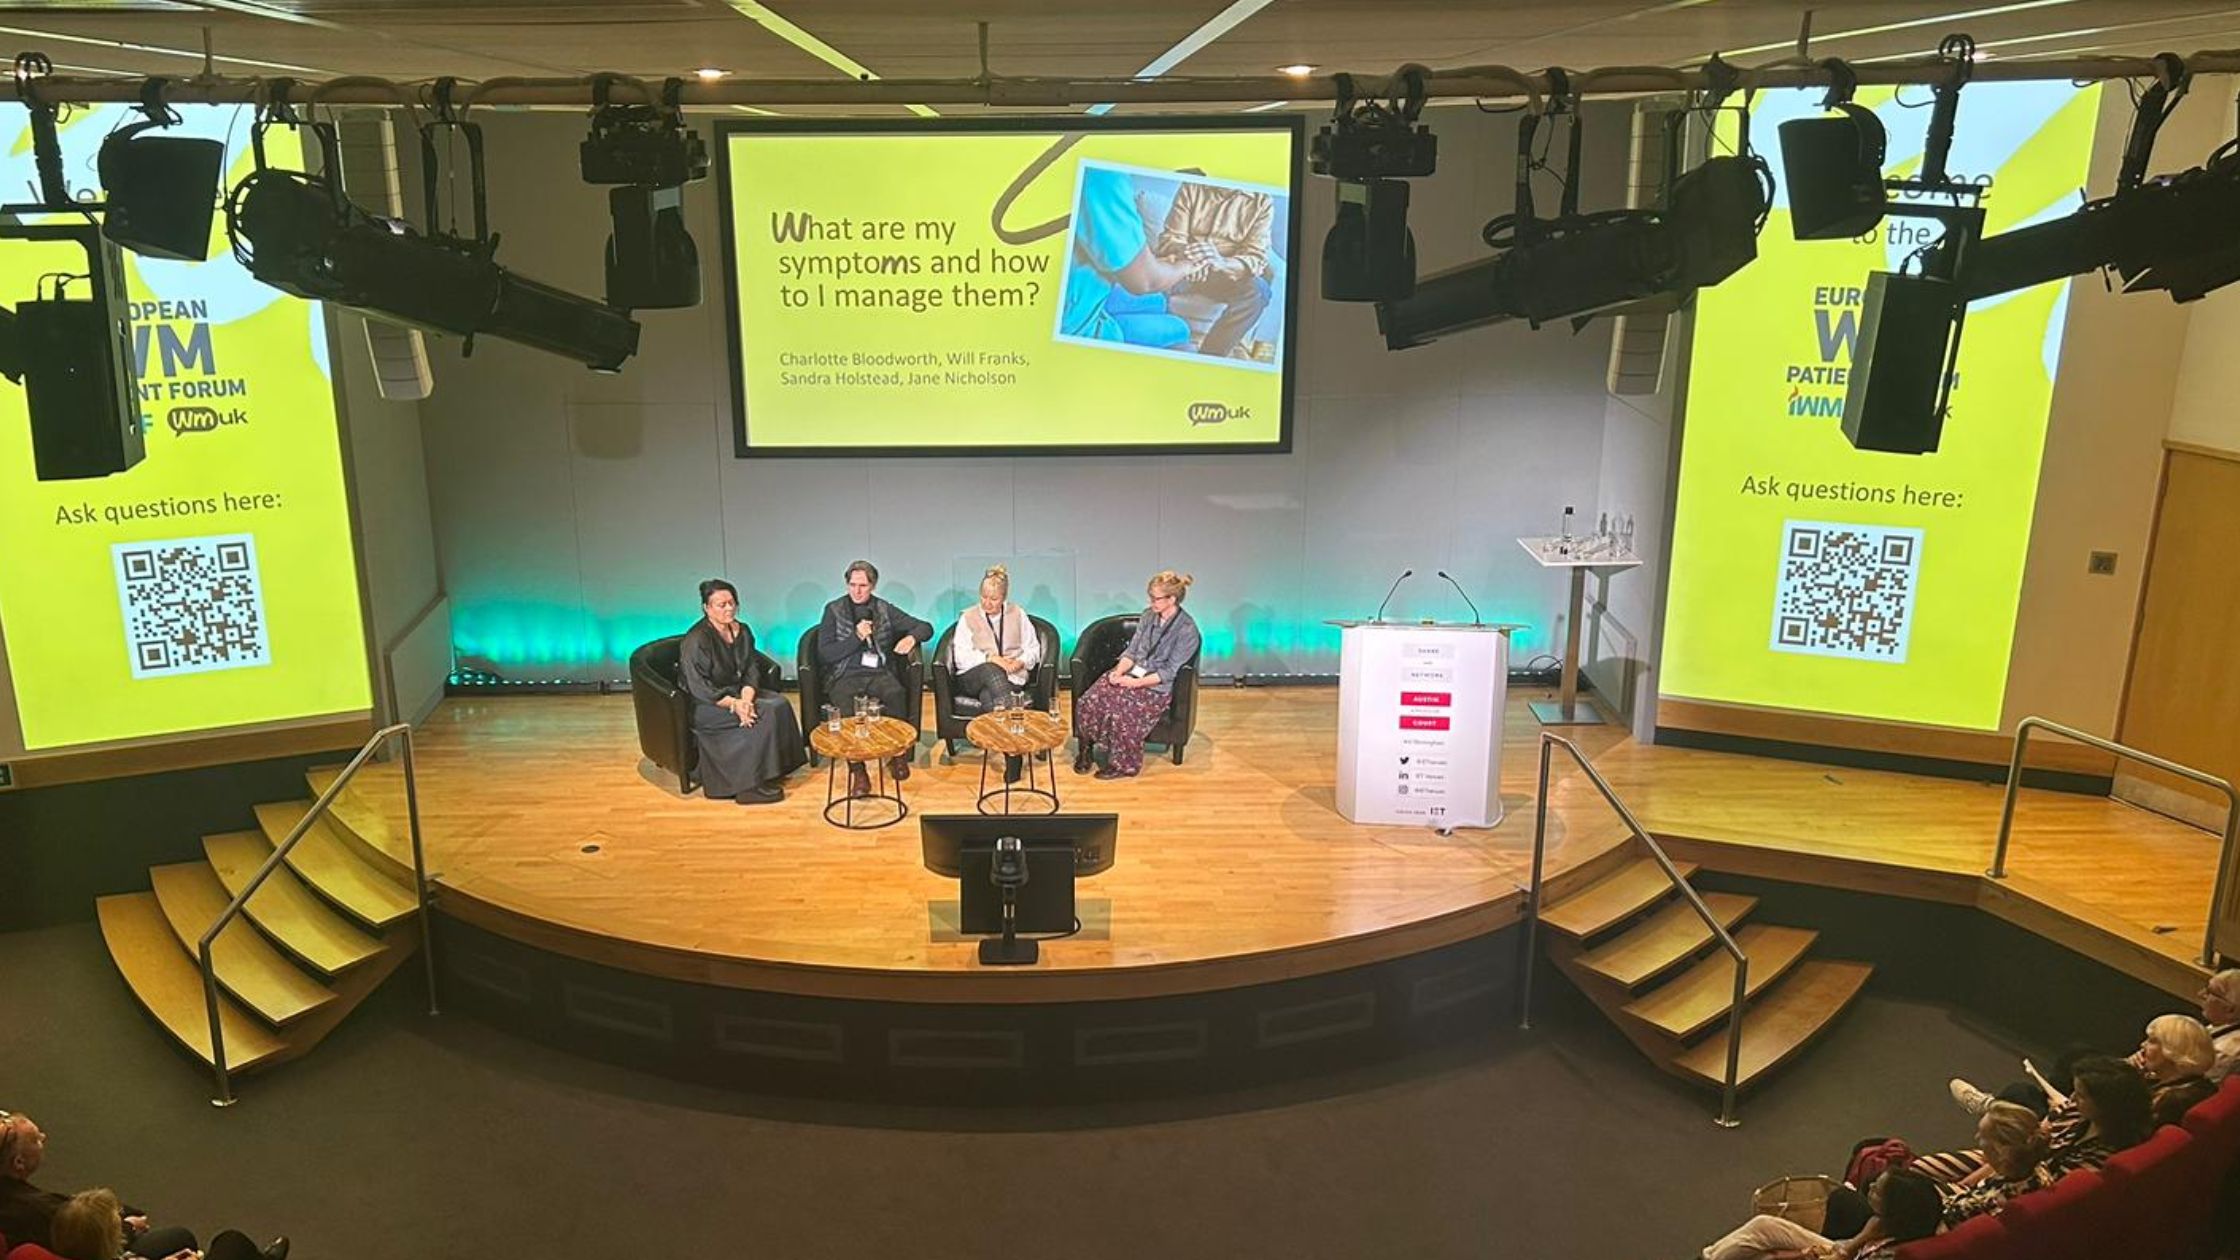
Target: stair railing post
{"points": [[224, 1096], [2006, 811], [1727, 1118], [419, 870], [1532, 896]]}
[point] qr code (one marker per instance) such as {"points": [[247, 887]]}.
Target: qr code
{"points": [[191, 605], [1846, 590]]}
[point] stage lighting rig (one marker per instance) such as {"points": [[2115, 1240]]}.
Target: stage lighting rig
{"points": [[161, 191], [649, 152], [1832, 166], [72, 355], [298, 233], [1372, 148], [1576, 266]]}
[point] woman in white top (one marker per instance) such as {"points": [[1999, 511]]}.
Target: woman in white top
{"points": [[995, 649]]}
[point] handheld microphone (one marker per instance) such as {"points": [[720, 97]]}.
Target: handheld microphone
{"points": [[1405, 574], [1475, 619]]}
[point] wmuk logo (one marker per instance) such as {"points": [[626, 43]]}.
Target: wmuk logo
{"points": [[183, 420], [1216, 413]]}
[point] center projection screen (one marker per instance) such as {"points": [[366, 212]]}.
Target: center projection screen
{"points": [[1011, 286]]}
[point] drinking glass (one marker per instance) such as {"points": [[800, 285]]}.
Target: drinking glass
{"points": [[863, 708], [832, 718], [1016, 714], [872, 707]]}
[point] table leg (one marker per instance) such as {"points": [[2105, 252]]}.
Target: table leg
{"points": [[1567, 711]]}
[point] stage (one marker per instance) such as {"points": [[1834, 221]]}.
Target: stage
{"points": [[543, 824]]}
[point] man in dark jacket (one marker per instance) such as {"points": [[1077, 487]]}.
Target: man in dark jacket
{"points": [[861, 647]]}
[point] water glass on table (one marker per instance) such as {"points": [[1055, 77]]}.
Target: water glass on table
{"points": [[1015, 714], [832, 718]]}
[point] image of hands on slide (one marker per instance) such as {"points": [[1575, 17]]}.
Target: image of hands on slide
{"points": [[1175, 264]]}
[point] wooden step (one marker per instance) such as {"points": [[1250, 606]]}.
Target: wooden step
{"points": [[160, 975], [333, 868], [1612, 899], [1700, 996], [296, 918], [1662, 941], [1779, 1023], [357, 816], [257, 975]]}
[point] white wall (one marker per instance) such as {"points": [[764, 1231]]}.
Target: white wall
{"points": [[2205, 410], [574, 513]]}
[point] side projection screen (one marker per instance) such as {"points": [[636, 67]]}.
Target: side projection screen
{"points": [[1008, 286]]}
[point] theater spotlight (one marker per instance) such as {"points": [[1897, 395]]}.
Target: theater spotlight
{"points": [[1576, 266], [652, 263], [159, 192], [1371, 147], [299, 233], [1832, 166]]}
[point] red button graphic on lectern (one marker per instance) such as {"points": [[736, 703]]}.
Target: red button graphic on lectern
{"points": [[1427, 699], [1410, 722]]}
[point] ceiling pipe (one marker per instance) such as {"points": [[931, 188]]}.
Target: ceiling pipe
{"points": [[1027, 92]]}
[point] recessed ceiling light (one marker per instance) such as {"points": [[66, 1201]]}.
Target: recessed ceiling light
{"points": [[1297, 69], [710, 74]]}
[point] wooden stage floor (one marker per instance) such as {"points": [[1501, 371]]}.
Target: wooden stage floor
{"points": [[544, 825]]}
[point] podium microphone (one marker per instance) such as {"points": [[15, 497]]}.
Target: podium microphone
{"points": [[1475, 619], [1405, 574]]}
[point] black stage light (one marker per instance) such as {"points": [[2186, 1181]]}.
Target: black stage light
{"points": [[1901, 365], [1583, 265], [1832, 166], [299, 234], [72, 355], [1370, 147], [159, 192], [651, 260], [652, 263]]}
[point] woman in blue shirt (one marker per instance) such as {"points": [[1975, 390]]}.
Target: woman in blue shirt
{"points": [[1120, 709]]}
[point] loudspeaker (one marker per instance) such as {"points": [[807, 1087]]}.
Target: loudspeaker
{"points": [[78, 380], [1369, 255], [160, 192], [1897, 369], [1832, 168], [652, 263]]}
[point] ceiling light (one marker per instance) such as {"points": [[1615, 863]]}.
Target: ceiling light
{"points": [[160, 50], [1210, 30], [1297, 69], [779, 25], [709, 74], [1942, 19]]}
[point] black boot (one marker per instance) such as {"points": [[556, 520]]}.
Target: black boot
{"points": [[1011, 768], [1085, 760]]}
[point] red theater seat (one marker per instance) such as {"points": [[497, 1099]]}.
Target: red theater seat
{"points": [[2156, 1189], [31, 1251], [1980, 1238], [2068, 1222], [2215, 1121]]}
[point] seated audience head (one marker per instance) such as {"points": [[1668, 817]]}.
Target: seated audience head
{"points": [[720, 600], [2012, 1142], [862, 576], [995, 588], [89, 1227], [2176, 1047], [1167, 585], [22, 1146], [2114, 1096], [2220, 999], [1908, 1204]]}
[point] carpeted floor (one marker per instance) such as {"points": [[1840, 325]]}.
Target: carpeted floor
{"points": [[410, 1138]]}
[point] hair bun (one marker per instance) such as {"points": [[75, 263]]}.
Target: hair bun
{"points": [[996, 571]]}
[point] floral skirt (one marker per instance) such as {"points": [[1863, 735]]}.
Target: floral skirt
{"points": [[1118, 718]]}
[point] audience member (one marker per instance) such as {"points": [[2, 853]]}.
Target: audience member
{"points": [[1905, 1202], [83, 1227], [2220, 1012], [2014, 1152], [2176, 1056], [2107, 1107]]}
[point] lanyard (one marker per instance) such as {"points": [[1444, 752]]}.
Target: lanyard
{"points": [[995, 627]]}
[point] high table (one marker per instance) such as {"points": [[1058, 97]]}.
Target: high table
{"points": [[858, 741], [1569, 553]]}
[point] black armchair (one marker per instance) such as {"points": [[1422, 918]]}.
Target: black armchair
{"points": [[664, 708], [952, 712], [811, 677], [1098, 650]]}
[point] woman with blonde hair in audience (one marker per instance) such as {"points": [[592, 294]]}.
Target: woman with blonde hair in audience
{"points": [[1119, 709], [2108, 1107], [1905, 1202], [2176, 1056], [91, 1227]]}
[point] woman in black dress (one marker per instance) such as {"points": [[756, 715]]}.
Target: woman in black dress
{"points": [[748, 736]]}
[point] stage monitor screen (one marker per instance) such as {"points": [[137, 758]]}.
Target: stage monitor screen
{"points": [[214, 585], [1808, 575], [1092, 837], [1011, 286]]}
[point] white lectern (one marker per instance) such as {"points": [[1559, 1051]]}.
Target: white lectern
{"points": [[1419, 723]]}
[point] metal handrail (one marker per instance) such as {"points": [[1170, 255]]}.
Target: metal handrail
{"points": [[1548, 743], [279, 854], [2231, 813]]}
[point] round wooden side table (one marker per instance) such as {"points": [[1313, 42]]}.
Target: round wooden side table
{"points": [[856, 742], [1038, 733]]}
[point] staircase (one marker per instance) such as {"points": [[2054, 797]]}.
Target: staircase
{"points": [[1639, 951], [323, 932]]}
